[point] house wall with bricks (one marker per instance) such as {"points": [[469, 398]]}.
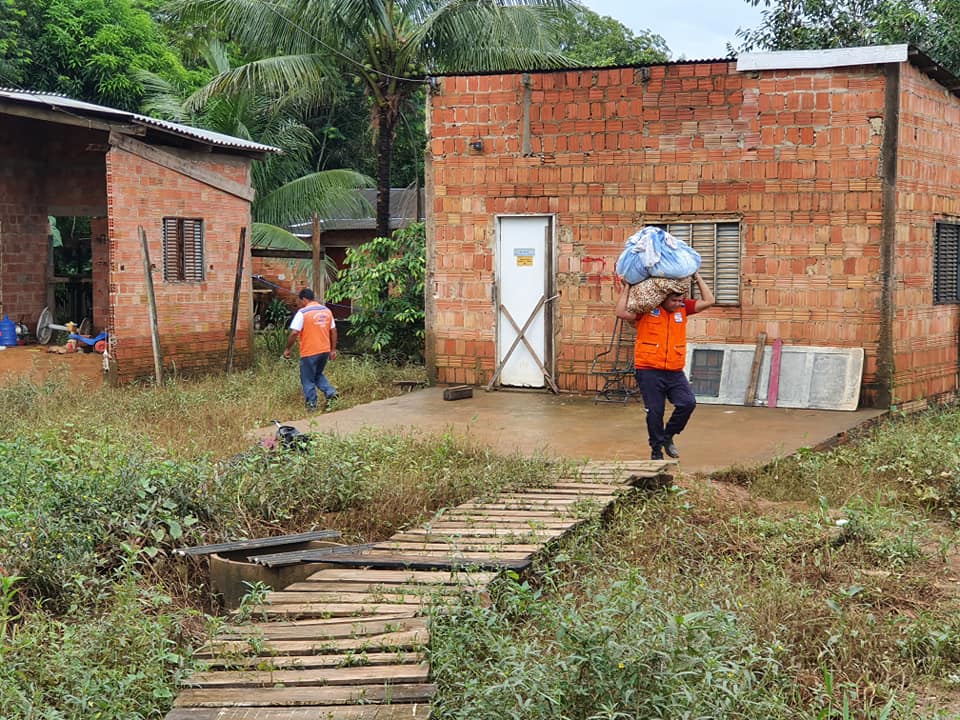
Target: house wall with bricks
{"points": [[193, 317], [47, 169], [928, 178], [793, 156]]}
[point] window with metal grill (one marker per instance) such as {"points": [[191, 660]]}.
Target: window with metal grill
{"points": [[183, 250], [946, 263], [719, 246]]}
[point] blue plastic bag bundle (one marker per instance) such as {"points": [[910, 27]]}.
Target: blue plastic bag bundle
{"points": [[653, 252]]}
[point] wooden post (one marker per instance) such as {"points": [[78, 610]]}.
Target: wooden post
{"points": [[236, 298], [773, 386], [317, 246], [152, 307], [755, 369]]}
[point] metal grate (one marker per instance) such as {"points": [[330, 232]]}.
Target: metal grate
{"points": [[706, 370], [719, 247], [946, 263], [183, 250]]}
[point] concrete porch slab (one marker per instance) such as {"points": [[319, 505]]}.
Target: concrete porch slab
{"points": [[574, 427]]}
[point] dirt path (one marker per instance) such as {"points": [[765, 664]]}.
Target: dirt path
{"points": [[34, 363]]}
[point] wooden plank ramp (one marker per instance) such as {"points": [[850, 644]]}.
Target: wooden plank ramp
{"points": [[348, 643]]}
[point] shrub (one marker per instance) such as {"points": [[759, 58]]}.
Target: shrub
{"points": [[384, 280]]}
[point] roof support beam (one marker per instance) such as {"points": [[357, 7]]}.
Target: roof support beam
{"points": [[167, 159]]}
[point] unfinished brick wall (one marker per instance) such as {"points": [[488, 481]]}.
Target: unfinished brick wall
{"points": [[792, 156], [925, 335], [47, 169], [193, 318]]}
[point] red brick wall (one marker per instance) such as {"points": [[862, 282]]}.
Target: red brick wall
{"points": [[792, 155], [925, 335], [46, 169], [193, 318]]}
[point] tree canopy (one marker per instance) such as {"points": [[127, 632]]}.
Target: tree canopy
{"points": [[385, 47], [594, 40], [931, 25], [87, 49]]}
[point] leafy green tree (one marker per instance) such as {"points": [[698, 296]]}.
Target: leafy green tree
{"points": [[384, 280], [931, 25], [288, 188], [386, 47], [596, 40], [87, 49]]}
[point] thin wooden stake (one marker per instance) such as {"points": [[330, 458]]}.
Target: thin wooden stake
{"points": [[317, 247], [152, 307], [236, 298]]}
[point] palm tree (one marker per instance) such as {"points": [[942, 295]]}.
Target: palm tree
{"points": [[386, 46], [288, 190]]}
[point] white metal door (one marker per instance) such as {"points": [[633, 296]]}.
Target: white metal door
{"points": [[523, 267]]}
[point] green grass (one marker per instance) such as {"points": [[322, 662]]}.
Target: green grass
{"points": [[822, 586], [98, 487]]}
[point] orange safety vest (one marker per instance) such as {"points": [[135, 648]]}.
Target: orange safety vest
{"points": [[661, 342], [315, 336]]}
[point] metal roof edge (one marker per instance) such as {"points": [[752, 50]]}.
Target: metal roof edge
{"points": [[62, 103]]}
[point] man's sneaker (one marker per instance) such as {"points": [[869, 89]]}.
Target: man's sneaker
{"points": [[670, 449], [656, 454]]}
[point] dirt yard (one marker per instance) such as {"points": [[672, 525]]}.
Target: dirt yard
{"points": [[34, 363]]}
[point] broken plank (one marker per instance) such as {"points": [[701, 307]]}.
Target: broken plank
{"points": [[258, 543]]}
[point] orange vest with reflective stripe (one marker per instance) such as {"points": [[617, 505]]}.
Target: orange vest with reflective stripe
{"points": [[661, 342], [315, 336]]}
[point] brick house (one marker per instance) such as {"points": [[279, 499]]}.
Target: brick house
{"points": [[821, 187], [190, 191], [287, 270]]}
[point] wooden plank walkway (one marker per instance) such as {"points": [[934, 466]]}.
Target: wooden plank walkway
{"points": [[348, 642]]}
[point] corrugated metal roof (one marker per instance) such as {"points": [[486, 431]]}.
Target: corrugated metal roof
{"points": [[61, 103]]}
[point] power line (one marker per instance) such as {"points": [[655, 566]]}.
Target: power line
{"points": [[272, 8]]}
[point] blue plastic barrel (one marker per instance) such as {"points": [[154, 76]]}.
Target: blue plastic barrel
{"points": [[8, 332]]}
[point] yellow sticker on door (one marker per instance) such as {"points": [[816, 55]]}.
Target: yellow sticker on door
{"points": [[524, 256]]}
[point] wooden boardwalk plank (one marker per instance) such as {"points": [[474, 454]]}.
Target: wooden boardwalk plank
{"points": [[377, 674], [439, 577], [413, 711], [342, 586], [349, 643], [282, 697], [288, 662], [396, 641], [405, 640]]}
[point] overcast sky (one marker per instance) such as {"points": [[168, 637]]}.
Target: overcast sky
{"points": [[694, 29]]}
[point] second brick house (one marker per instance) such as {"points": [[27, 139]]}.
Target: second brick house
{"points": [[821, 187], [188, 189]]}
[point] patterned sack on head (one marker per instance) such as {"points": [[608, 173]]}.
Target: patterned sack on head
{"points": [[645, 296]]}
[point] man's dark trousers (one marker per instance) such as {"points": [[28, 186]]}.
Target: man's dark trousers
{"points": [[658, 386]]}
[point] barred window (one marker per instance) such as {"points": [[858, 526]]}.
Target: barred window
{"points": [[719, 246], [183, 250], [946, 263]]}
